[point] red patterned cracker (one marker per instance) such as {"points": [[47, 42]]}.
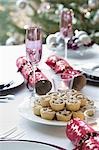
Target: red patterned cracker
{"points": [[70, 72], [66, 71], [51, 61], [61, 66], [91, 144], [21, 61], [42, 84], [78, 131]]}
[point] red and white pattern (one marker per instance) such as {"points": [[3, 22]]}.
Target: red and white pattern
{"points": [[26, 69], [51, 61], [83, 136], [91, 144], [62, 67]]}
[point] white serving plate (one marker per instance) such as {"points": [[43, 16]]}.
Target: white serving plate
{"points": [[25, 111]]}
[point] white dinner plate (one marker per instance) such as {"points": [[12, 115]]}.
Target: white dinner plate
{"points": [[91, 71], [26, 145], [15, 77], [26, 111]]}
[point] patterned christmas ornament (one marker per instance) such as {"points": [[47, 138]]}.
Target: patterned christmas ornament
{"points": [[83, 37], [44, 7], [93, 3], [96, 17], [80, 39], [11, 41], [55, 42], [21, 3]]}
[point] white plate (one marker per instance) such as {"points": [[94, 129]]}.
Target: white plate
{"points": [[17, 79], [91, 70], [83, 52], [26, 111], [26, 145]]}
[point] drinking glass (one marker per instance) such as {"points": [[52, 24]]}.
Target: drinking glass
{"points": [[33, 50], [66, 23], [92, 116], [66, 30], [62, 84]]}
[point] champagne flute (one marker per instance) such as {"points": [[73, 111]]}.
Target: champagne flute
{"points": [[66, 23], [33, 51], [66, 29]]}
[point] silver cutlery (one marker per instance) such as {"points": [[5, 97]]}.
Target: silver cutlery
{"points": [[8, 133], [7, 97], [13, 133], [2, 86]]}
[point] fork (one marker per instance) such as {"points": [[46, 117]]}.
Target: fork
{"points": [[13, 133], [7, 96], [2, 86]]}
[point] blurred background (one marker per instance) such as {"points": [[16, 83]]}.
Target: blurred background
{"points": [[15, 14]]}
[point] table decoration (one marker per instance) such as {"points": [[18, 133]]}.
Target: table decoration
{"points": [[56, 43], [61, 67], [42, 84], [82, 135], [80, 39], [79, 44]]}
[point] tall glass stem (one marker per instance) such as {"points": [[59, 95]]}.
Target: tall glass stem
{"points": [[33, 94]]}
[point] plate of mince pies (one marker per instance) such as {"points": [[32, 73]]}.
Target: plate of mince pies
{"points": [[57, 108]]}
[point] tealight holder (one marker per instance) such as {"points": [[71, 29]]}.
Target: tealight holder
{"points": [[92, 118], [62, 84]]}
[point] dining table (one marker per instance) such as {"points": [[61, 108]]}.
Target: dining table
{"points": [[9, 109]]}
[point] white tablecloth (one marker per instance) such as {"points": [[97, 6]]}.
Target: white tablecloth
{"points": [[9, 115]]}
